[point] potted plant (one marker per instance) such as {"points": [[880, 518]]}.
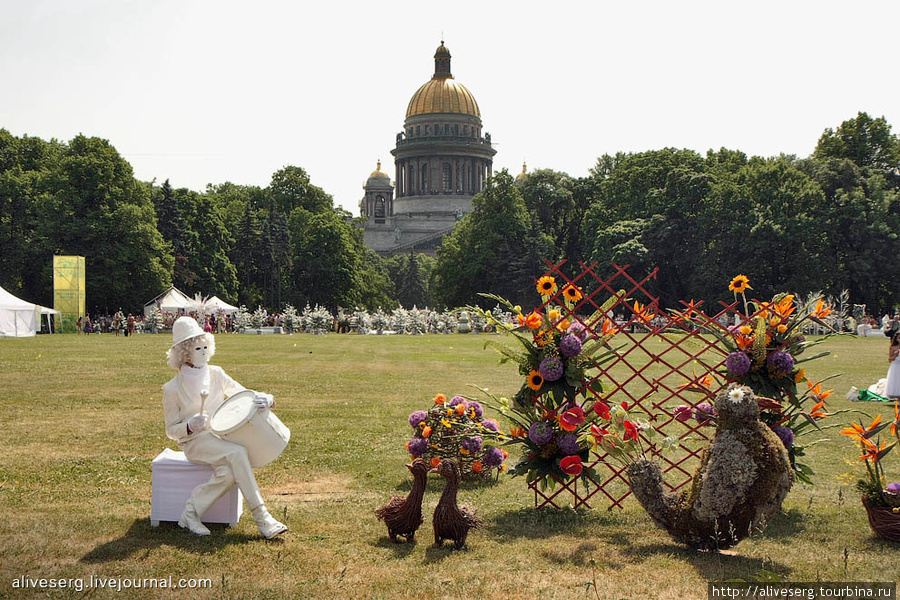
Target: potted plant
{"points": [[881, 499]]}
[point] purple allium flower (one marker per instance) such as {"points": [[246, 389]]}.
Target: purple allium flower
{"points": [[540, 433], [781, 363], [682, 413], [472, 444], [570, 346], [568, 443], [893, 487], [417, 446], [577, 329], [478, 409], [738, 363], [785, 434], [416, 418], [704, 412], [491, 424], [493, 457], [551, 368], [456, 400]]}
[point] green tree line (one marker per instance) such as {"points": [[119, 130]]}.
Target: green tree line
{"points": [[828, 222]]}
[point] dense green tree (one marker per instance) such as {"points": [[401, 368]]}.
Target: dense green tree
{"points": [[493, 249], [95, 208], [866, 141]]}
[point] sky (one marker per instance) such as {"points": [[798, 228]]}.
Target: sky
{"points": [[201, 92]]}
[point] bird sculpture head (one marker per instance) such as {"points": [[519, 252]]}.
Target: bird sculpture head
{"points": [[418, 467], [737, 405], [447, 469]]}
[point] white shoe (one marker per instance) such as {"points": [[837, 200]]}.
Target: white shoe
{"points": [[268, 526], [190, 520]]}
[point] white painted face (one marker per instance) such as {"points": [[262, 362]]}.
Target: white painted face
{"points": [[199, 352]]}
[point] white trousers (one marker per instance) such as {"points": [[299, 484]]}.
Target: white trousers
{"points": [[231, 466]]}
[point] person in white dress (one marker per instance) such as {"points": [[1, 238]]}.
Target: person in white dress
{"points": [[892, 387], [187, 423]]}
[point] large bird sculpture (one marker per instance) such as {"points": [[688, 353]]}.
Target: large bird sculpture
{"points": [[403, 516], [743, 477], [450, 521]]}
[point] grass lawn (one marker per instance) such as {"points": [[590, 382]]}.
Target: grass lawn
{"points": [[82, 419]]}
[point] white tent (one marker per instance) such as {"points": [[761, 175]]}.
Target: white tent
{"points": [[17, 317], [216, 304], [172, 300]]}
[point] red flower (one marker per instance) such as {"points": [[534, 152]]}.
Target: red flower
{"points": [[571, 418], [571, 465], [631, 431], [598, 432], [602, 409]]}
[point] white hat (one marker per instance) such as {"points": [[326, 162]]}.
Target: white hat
{"points": [[185, 328]]}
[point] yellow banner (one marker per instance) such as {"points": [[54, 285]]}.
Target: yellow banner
{"points": [[68, 291]]}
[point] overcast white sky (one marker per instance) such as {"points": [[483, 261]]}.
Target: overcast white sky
{"points": [[211, 91]]}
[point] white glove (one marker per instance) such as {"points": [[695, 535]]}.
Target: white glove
{"points": [[198, 423], [263, 401]]}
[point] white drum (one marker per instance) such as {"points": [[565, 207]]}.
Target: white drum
{"points": [[239, 421]]}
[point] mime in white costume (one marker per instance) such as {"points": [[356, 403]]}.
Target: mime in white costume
{"points": [[187, 424]]}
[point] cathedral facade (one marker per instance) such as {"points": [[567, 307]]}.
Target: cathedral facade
{"points": [[441, 160]]}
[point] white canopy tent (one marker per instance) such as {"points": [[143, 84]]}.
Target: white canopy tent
{"points": [[216, 304], [172, 300], [18, 318]]}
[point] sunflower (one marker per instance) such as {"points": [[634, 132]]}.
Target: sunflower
{"points": [[546, 286], [739, 284], [535, 381], [572, 293]]}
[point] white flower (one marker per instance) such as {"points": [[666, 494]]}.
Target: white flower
{"points": [[736, 395]]}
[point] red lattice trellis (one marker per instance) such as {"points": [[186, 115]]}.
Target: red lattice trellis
{"points": [[648, 378]]}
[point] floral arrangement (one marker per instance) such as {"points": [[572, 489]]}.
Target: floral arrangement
{"points": [[456, 429], [553, 411], [762, 352], [875, 490]]}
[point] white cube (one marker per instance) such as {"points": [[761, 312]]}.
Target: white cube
{"points": [[174, 478]]}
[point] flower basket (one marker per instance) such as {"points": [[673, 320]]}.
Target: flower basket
{"points": [[883, 520]]}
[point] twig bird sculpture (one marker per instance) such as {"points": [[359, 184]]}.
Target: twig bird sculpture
{"points": [[403, 516], [743, 477], [450, 521]]}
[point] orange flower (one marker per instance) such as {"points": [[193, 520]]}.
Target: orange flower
{"points": [[563, 325], [426, 432], [817, 393], [460, 409], [816, 411], [534, 320], [440, 398], [781, 328], [745, 330], [896, 418], [477, 466], [785, 306], [435, 461], [572, 293], [517, 431], [821, 310], [799, 375], [642, 312], [535, 381], [505, 453], [608, 327], [546, 286], [739, 284], [554, 315], [874, 452], [856, 430], [743, 341]]}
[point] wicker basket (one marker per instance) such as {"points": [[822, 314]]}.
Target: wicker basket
{"points": [[883, 521]]}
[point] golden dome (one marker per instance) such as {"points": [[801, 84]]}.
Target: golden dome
{"points": [[523, 174], [378, 173], [442, 94]]}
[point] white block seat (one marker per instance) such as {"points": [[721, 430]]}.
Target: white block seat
{"points": [[174, 478]]}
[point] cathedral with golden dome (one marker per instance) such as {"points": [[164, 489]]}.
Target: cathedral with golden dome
{"points": [[441, 161]]}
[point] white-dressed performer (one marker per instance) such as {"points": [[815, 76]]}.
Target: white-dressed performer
{"points": [[187, 424]]}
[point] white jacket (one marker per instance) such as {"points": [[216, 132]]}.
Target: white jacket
{"points": [[179, 404]]}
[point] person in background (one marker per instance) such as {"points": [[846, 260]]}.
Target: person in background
{"points": [[892, 386]]}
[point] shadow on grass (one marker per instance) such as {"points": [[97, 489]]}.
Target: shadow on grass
{"points": [[141, 537], [435, 554], [785, 524], [436, 484], [401, 550], [547, 522]]}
